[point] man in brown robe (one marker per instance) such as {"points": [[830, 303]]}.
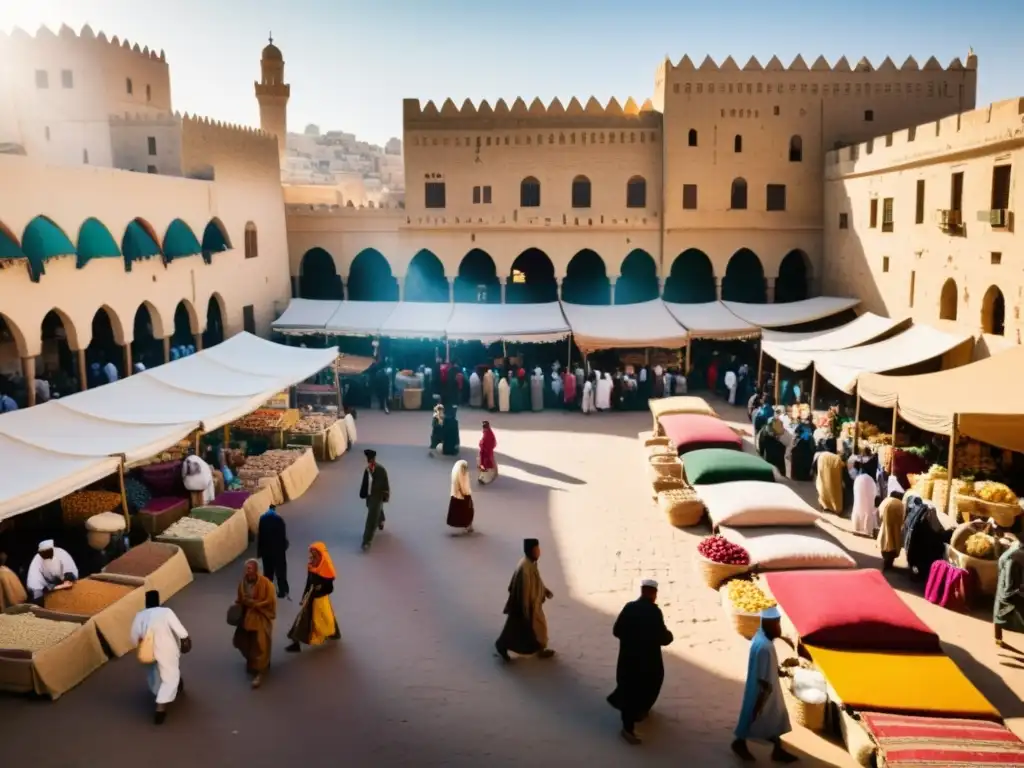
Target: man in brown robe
{"points": [[526, 628], [255, 631]]}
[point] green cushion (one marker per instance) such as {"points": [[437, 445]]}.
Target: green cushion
{"points": [[218, 515], [721, 465]]}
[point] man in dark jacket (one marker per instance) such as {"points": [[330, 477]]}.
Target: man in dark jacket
{"points": [[271, 546], [376, 490], [640, 671]]}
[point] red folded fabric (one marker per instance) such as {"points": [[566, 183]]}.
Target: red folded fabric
{"points": [[905, 741], [696, 431]]}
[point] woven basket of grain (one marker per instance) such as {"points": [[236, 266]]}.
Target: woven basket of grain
{"points": [[663, 483], [715, 573], [810, 716], [922, 485], [938, 494], [665, 465], [682, 506], [1003, 514], [747, 624]]}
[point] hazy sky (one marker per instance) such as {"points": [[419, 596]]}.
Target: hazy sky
{"points": [[351, 63]]}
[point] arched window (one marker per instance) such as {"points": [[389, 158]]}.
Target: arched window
{"points": [[251, 244], [948, 301], [636, 192], [581, 192], [529, 193], [737, 144], [691, 138], [993, 312], [738, 198], [796, 149], [128, 85]]}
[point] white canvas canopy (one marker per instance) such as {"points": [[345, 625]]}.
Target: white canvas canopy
{"points": [[305, 316], [489, 323], [417, 320], [791, 313], [648, 324], [711, 320], [915, 345], [54, 448], [796, 350], [359, 318]]}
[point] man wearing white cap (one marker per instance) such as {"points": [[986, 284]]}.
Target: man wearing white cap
{"points": [[50, 568], [640, 671], [763, 715]]}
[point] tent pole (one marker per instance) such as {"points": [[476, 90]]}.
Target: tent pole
{"points": [[124, 494], [647, 355], [337, 386], [777, 383], [568, 354], [953, 437], [856, 425], [814, 386], [447, 352], [895, 419], [760, 366], [686, 369]]}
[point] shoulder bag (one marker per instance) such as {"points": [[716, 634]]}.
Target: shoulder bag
{"points": [[146, 652]]}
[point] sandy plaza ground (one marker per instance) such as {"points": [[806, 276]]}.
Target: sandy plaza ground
{"points": [[414, 680]]}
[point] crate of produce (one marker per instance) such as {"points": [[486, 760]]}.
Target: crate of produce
{"points": [[163, 567], [312, 430], [161, 513], [997, 501], [210, 537], [718, 560], [299, 476], [743, 600], [42, 653], [77, 507], [111, 601]]}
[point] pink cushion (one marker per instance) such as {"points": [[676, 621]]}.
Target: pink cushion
{"points": [[696, 431], [231, 499], [161, 504], [850, 610]]}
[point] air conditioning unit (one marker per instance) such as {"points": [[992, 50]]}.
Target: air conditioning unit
{"points": [[949, 219], [998, 217]]}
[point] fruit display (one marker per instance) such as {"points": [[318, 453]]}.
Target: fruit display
{"points": [[86, 597], [981, 546], [747, 597], [142, 560], [937, 472], [719, 550], [867, 431], [997, 493], [190, 528], [79, 506], [260, 422], [28, 632], [314, 423], [270, 463]]}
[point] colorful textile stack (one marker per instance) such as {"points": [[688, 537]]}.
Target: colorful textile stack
{"points": [[916, 742]]}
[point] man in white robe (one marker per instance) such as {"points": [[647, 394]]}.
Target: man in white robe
{"points": [[603, 397], [170, 640], [504, 395], [50, 568], [587, 404], [476, 392]]}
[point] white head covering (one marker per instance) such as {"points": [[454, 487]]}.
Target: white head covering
{"points": [[649, 583], [460, 479], [45, 545]]}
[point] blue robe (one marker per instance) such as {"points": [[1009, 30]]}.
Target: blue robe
{"points": [[773, 721]]}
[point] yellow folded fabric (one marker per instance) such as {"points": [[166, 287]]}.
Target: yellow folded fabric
{"points": [[909, 683]]}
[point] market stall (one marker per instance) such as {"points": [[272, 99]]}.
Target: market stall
{"points": [[488, 323], [112, 602], [210, 537], [417, 320], [305, 317], [359, 318], [323, 432], [711, 320], [163, 567], [796, 351], [790, 313], [625, 326]]}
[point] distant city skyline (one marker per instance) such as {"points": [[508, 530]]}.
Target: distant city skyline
{"points": [[350, 64]]}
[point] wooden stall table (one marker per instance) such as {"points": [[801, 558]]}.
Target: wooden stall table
{"points": [[54, 670], [164, 567], [113, 622], [219, 547]]}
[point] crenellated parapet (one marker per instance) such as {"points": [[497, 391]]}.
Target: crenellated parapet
{"points": [[821, 64], [45, 35], [536, 114]]}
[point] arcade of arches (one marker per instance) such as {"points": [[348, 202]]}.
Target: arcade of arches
{"points": [[69, 368], [531, 279]]}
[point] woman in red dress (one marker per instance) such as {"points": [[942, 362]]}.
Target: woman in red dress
{"points": [[487, 467]]}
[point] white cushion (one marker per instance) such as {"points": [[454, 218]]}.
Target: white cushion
{"points": [[106, 522], [749, 503], [781, 549]]}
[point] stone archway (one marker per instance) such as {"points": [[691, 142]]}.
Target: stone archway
{"points": [[318, 277], [949, 300], [214, 333], [103, 348], [531, 279], [147, 344], [477, 282], [744, 279], [370, 278], [793, 282], [691, 279], [586, 280], [185, 325], [993, 312], [41, 241], [95, 242], [58, 336], [638, 278], [425, 279]]}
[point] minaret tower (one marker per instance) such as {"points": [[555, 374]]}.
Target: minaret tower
{"points": [[272, 93]]}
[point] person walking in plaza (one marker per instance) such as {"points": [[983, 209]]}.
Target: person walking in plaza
{"points": [[487, 465], [436, 429], [255, 629], [460, 505], [763, 715], [157, 631], [526, 628], [272, 548], [377, 492], [640, 670], [316, 622], [1008, 610]]}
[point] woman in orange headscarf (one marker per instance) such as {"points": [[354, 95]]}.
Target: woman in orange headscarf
{"points": [[316, 622]]}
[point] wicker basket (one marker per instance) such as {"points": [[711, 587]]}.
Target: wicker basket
{"points": [[747, 624], [662, 450], [715, 573], [1003, 514], [682, 506], [665, 465], [938, 494], [650, 439], [663, 483], [810, 716]]}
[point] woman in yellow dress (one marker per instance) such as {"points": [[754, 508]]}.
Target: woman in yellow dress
{"points": [[316, 622]]}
